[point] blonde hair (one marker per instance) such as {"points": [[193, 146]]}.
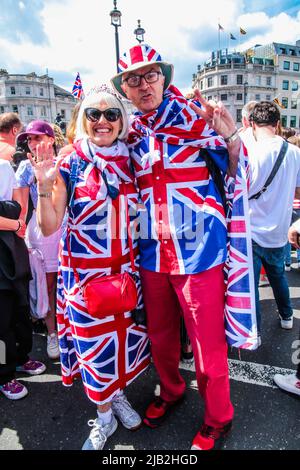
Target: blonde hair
{"points": [[94, 98], [295, 140], [71, 128], [59, 139]]}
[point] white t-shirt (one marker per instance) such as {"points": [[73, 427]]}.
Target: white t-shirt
{"points": [[8, 181], [271, 214]]}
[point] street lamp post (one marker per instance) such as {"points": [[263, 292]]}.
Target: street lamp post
{"points": [[245, 92], [115, 16], [139, 32]]}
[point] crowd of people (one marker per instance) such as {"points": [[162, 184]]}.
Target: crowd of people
{"points": [[128, 225]]}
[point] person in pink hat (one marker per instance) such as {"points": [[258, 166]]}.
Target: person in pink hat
{"points": [[180, 150], [37, 132]]}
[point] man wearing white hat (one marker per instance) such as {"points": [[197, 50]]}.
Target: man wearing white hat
{"points": [[183, 232]]}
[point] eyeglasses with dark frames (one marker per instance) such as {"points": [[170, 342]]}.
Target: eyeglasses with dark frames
{"points": [[135, 80], [110, 114]]}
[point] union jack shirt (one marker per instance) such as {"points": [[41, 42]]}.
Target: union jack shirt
{"points": [[185, 226]]}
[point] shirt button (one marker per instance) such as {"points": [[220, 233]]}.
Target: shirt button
{"points": [[160, 221], [157, 177], [159, 199], [165, 242]]}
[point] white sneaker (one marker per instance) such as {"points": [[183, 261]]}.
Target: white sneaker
{"points": [[287, 324], [99, 434], [126, 414], [287, 267], [52, 346], [289, 382]]}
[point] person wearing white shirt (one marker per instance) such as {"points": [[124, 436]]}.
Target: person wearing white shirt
{"points": [[291, 382], [270, 214]]}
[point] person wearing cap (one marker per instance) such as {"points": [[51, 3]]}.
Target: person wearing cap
{"points": [[35, 133], [96, 186], [271, 210], [183, 232]]}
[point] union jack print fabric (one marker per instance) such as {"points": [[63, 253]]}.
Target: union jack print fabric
{"points": [[77, 89], [185, 226], [135, 55], [110, 352]]}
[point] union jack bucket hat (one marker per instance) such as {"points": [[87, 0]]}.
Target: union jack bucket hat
{"points": [[141, 56]]}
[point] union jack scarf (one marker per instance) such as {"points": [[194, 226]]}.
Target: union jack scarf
{"points": [[178, 124]]}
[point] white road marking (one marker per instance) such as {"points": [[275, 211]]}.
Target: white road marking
{"points": [[248, 372]]}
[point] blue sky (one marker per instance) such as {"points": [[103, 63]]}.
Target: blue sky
{"points": [[66, 36]]}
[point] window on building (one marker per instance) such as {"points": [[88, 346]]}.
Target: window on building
{"points": [[296, 66], [292, 52], [257, 97], [285, 84], [209, 98], [239, 96], [2, 110], [224, 79], [15, 108], [285, 102], [12, 90], [210, 82], [284, 121], [293, 121], [293, 104], [282, 50], [43, 111], [268, 97], [294, 86], [286, 65], [63, 113], [239, 79], [258, 80], [41, 91], [269, 81], [224, 97], [238, 115], [30, 110], [27, 90], [201, 85]]}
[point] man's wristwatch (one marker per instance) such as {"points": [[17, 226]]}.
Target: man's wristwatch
{"points": [[232, 137]]}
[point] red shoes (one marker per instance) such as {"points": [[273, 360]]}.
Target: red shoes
{"points": [[208, 436], [158, 410]]}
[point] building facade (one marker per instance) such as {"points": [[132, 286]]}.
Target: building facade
{"points": [[260, 73], [34, 97]]}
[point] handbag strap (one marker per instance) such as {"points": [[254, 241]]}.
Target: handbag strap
{"points": [[131, 253], [275, 168]]}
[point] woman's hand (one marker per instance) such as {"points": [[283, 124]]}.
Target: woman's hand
{"points": [[215, 114], [44, 170]]}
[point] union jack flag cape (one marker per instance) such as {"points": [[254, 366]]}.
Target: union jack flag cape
{"points": [[77, 89], [174, 134], [108, 352]]}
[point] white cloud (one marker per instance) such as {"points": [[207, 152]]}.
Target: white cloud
{"points": [[81, 37]]}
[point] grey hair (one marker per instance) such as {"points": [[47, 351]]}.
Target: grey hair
{"points": [[248, 108], [93, 99]]}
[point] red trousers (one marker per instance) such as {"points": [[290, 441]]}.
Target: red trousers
{"points": [[200, 298]]}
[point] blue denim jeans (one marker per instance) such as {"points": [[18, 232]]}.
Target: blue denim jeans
{"points": [[272, 260]]}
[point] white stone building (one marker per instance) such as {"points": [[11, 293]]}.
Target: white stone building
{"points": [[34, 97], [260, 73]]}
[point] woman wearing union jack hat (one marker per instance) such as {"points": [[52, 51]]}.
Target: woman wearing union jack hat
{"points": [[95, 183], [190, 169]]}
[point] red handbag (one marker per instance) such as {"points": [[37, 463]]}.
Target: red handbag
{"points": [[113, 294]]}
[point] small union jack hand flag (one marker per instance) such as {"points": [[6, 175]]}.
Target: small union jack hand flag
{"points": [[77, 89]]}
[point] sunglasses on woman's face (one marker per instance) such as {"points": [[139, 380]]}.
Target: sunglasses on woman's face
{"points": [[110, 114]]}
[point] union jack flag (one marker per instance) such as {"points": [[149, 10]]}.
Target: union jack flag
{"points": [[138, 54], [110, 352], [77, 89], [186, 228]]}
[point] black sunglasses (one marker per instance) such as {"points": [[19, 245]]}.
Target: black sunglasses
{"points": [[110, 114]]}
